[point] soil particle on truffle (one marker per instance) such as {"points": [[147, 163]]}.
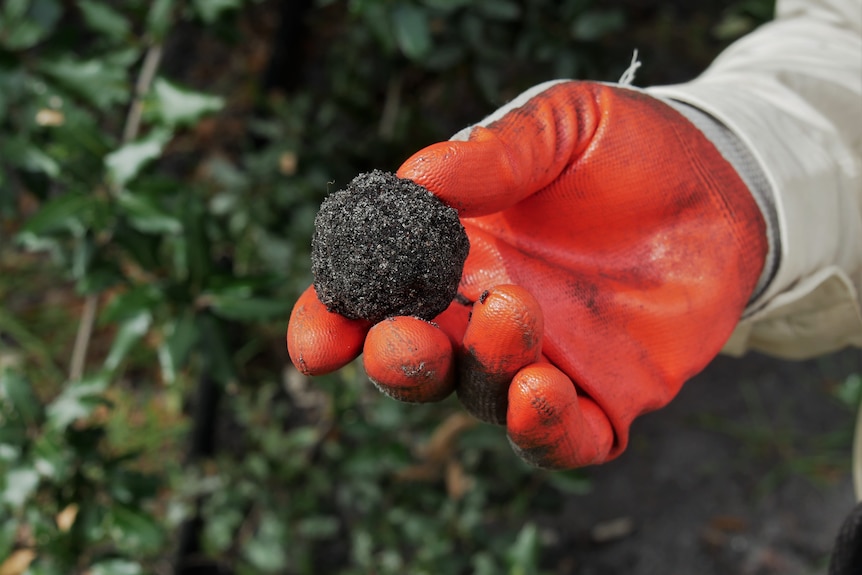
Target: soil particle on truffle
{"points": [[386, 246]]}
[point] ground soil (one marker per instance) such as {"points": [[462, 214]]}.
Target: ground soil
{"points": [[746, 473]]}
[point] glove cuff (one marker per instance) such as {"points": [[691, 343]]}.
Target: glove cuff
{"points": [[746, 165]]}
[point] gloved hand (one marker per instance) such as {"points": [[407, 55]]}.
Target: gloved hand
{"points": [[613, 250]]}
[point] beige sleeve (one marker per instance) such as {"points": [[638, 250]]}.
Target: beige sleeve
{"points": [[791, 91]]}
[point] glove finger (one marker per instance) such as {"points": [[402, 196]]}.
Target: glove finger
{"points": [[476, 177], [504, 335], [320, 341], [524, 149], [550, 426], [409, 360]]}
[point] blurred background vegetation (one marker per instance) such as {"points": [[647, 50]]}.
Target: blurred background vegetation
{"points": [[161, 162]]}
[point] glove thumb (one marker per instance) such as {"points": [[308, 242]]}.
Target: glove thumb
{"points": [[518, 151]]}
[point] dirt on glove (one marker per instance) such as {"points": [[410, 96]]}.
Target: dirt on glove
{"points": [[385, 246]]}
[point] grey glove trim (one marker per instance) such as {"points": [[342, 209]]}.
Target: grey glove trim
{"points": [[745, 164]]}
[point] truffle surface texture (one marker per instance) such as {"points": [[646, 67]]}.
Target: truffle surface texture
{"points": [[386, 246]]}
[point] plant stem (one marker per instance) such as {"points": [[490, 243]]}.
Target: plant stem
{"points": [[82, 338], [145, 79], [149, 67]]}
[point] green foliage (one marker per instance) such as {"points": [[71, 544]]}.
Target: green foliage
{"points": [[355, 493], [742, 17], [849, 392], [56, 461]]}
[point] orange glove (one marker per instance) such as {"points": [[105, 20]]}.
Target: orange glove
{"points": [[613, 250]]}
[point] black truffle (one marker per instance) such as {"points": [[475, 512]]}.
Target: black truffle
{"points": [[386, 246]]}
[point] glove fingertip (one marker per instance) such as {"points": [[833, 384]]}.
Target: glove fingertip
{"points": [[410, 360], [320, 341], [432, 168], [474, 177], [506, 329], [550, 426], [504, 335]]}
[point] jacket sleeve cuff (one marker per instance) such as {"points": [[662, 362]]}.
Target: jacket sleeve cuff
{"points": [[799, 119]]}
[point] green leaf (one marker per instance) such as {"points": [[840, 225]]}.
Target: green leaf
{"points": [[142, 249], [239, 287], [76, 401], [102, 82], [116, 567], [101, 274], [412, 31], [51, 456], [25, 23], [21, 482], [83, 252], [134, 531], [131, 331], [104, 19], [499, 9], [10, 453], [318, 527], [210, 10], [266, 551], [445, 57], [146, 215], [67, 212], [229, 306], [850, 391], [597, 24], [178, 106], [181, 337], [523, 556], [192, 255], [447, 5], [571, 482], [160, 17], [220, 529], [218, 356], [128, 304], [485, 564], [19, 152], [375, 16], [8, 535], [300, 439], [126, 162], [18, 392], [128, 486], [30, 343]]}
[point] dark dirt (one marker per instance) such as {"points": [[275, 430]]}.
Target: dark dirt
{"points": [[385, 246], [747, 472]]}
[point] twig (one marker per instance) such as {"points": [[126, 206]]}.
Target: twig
{"points": [[82, 338], [148, 72], [150, 65]]}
